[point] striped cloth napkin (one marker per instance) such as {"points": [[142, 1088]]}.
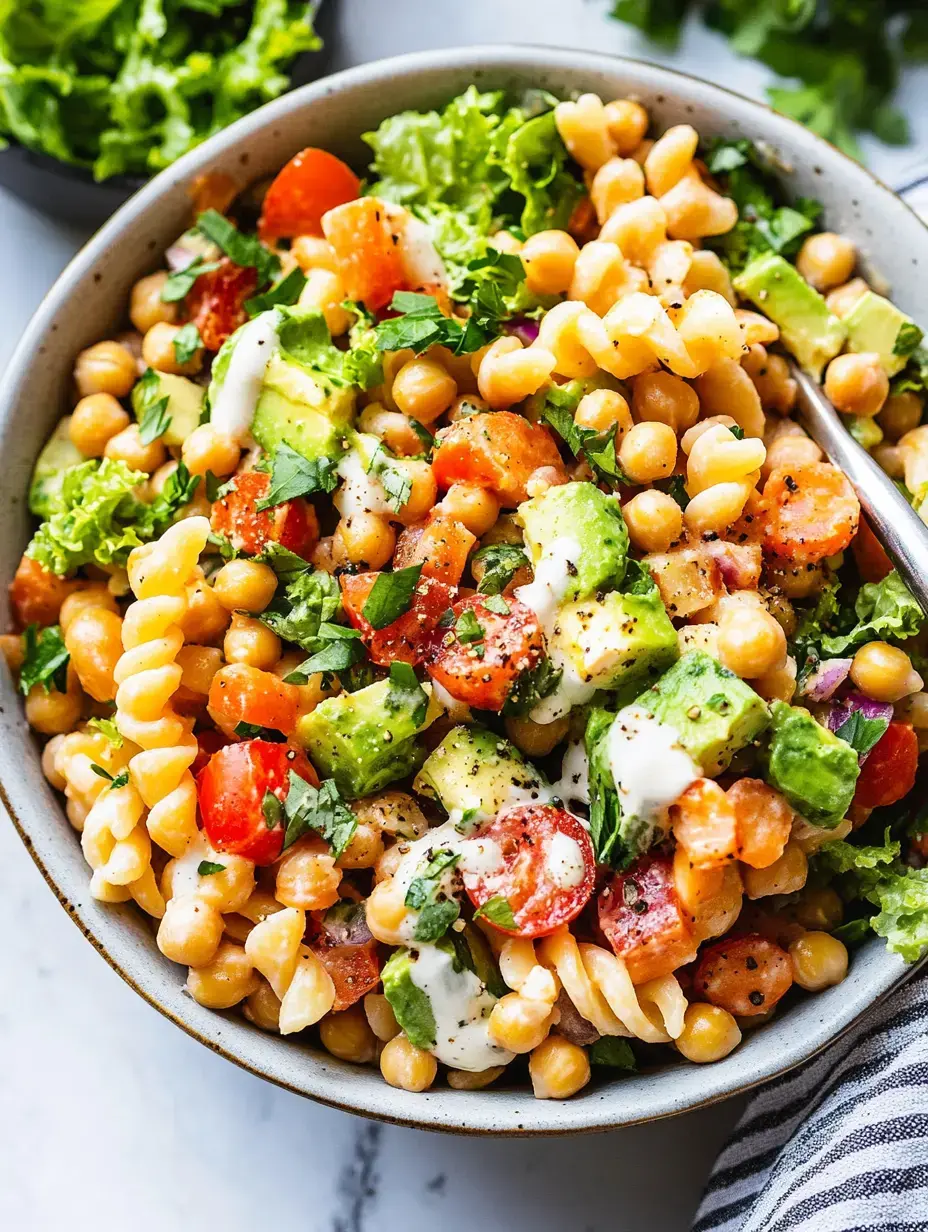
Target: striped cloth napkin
{"points": [[841, 1144]]}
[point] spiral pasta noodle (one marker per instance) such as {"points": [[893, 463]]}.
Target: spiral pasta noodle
{"points": [[298, 978]]}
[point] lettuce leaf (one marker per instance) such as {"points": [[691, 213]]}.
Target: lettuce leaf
{"points": [[97, 519], [127, 86], [884, 610]]}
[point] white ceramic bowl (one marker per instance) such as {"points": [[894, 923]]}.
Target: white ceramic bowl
{"points": [[89, 301]]}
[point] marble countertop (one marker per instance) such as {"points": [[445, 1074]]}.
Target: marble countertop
{"points": [[112, 1117]]}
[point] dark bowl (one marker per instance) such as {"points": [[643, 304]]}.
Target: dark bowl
{"points": [[73, 195]]}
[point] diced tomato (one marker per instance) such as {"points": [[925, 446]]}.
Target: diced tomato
{"points": [[483, 671], [763, 822], [216, 303], [210, 741], [312, 183], [642, 918], [240, 693], [811, 512], [872, 562], [293, 524], [889, 771], [547, 871], [231, 791], [36, 594], [368, 252], [441, 543], [745, 975], [408, 638], [498, 451], [703, 822]]}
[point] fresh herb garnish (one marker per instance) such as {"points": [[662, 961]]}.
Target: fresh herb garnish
{"points": [[468, 629], [391, 596], [321, 809], [437, 911], [424, 435], [311, 598], [45, 659], [272, 809], [186, 342], [292, 475], [107, 728], [155, 421], [501, 563], [737, 431], [860, 732], [120, 780], [908, 339], [206, 868], [285, 291], [406, 693], [532, 686], [613, 1051], [598, 448], [421, 324], [244, 250], [497, 604], [253, 731], [396, 482], [178, 285], [497, 910]]}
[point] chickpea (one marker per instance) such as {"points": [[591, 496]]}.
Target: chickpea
{"points": [[52, 713], [856, 384], [536, 739], [127, 447], [770, 376], [391, 427], [146, 307], [94, 421], [558, 1069], [245, 585], [158, 351], [249, 641], [205, 620], [228, 978], [364, 848], [423, 492], [423, 389], [519, 1023], [785, 876], [826, 260], [661, 397], [380, 1016], [325, 291], [365, 539], [820, 909], [405, 1066], [751, 642], [348, 1036], [709, 1033], [469, 1080], [600, 409], [11, 645], [798, 582], [307, 877], [474, 507], [549, 258], [627, 122], [106, 368], [94, 595], [842, 299], [648, 452], [467, 405], [262, 1007], [900, 414], [205, 449], [190, 932], [819, 961], [654, 521], [94, 642], [199, 665], [884, 672]]}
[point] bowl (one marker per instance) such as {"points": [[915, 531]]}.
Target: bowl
{"points": [[88, 301]]}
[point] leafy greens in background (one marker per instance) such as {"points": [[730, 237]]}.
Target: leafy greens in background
{"points": [[127, 86], [845, 55]]}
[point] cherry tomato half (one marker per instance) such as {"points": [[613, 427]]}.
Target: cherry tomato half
{"points": [[479, 658], [745, 975], [216, 303], [231, 791], [312, 183], [547, 868], [888, 774], [644, 920], [293, 524], [408, 638]]}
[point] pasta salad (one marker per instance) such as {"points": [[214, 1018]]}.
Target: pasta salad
{"points": [[438, 625]]}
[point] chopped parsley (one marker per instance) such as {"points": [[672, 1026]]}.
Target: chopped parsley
{"points": [[437, 911], [532, 686], [285, 291], [405, 693], [244, 250], [468, 628], [252, 731], [46, 659], [154, 421], [206, 868], [501, 562], [321, 809], [186, 342], [292, 475], [395, 481], [178, 285], [497, 910], [391, 596]]}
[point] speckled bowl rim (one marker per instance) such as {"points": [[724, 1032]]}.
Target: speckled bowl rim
{"points": [[120, 934]]}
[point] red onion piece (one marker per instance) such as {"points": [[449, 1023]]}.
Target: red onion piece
{"points": [[524, 329], [827, 678]]}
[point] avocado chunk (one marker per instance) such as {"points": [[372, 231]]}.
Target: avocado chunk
{"points": [[712, 709], [809, 330], [365, 740], [873, 324], [185, 403], [815, 769], [58, 456], [411, 1006], [294, 408], [474, 773], [619, 641], [579, 512]]}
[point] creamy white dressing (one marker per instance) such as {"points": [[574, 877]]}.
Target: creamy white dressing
{"points": [[233, 407], [458, 712], [422, 264], [649, 765], [574, 784], [461, 1007], [360, 492], [480, 859], [564, 861]]}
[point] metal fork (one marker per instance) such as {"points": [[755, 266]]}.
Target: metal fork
{"points": [[901, 531]]}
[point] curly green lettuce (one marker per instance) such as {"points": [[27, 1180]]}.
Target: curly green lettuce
{"points": [[98, 519], [127, 86]]}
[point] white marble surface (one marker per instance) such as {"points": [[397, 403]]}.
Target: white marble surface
{"points": [[113, 1118]]}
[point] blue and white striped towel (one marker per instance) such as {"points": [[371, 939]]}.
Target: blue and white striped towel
{"points": [[840, 1145]]}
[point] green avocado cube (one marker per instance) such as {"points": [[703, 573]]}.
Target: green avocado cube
{"points": [[619, 641], [873, 324], [809, 329], [473, 773], [364, 740], [296, 409], [580, 513], [814, 769], [411, 1006], [58, 455], [712, 709], [185, 403]]}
